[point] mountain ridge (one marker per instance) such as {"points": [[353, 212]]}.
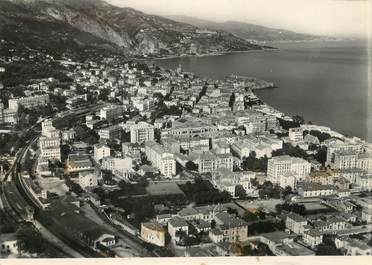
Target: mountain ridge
{"points": [[245, 30], [125, 30]]}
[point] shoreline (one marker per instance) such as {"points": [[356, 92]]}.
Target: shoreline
{"points": [[264, 49], [346, 134], [205, 55]]}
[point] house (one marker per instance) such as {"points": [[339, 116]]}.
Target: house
{"points": [[226, 180], [87, 179], [201, 226], [97, 237], [276, 239], [331, 224], [353, 247], [312, 237], [163, 218], [308, 190], [233, 228], [122, 168], [175, 225], [295, 223], [101, 151], [367, 215], [216, 235], [153, 233], [78, 163], [189, 214], [9, 243]]}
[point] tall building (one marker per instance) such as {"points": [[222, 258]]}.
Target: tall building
{"points": [[351, 159], [336, 147], [110, 133], [101, 151], [141, 132], [283, 164], [209, 161], [111, 112], [50, 148], [161, 158], [295, 134], [28, 102], [8, 115]]}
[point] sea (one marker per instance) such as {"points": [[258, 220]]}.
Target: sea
{"points": [[324, 82]]}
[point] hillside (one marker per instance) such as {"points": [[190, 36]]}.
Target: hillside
{"points": [[245, 30], [71, 25]]}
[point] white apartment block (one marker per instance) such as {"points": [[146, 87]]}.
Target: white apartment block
{"points": [[295, 134], [351, 159], [288, 179], [141, 132], [120, 167], [161, 159], [143, 104], [262, 146], [208, 161], [111, 112], [46, 126], [309, 190], [110, 133], [341, 148], [8, 115], [28, 102], [282, 164], [87, 180], [226, 180], [101, 151], [295, 223], [50, 148], [364, 182]]}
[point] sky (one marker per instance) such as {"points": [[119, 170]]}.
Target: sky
{"points": [[344, 18]]}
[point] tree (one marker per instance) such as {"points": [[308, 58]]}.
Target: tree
{"points": [[232, 100], [255, 164], [191, 166], [202, 93], [321, 155], [30, 240], [250, 217], [240, 192], [287, 190], [328, 247], [268, 190]]}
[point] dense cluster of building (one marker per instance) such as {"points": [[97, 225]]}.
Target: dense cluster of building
{"points": [[177, 126]]}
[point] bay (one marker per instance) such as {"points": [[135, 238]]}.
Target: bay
{"points": [[325, 82]]}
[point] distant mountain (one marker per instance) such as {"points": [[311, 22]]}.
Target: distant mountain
{"points": [[245, 30], [80, 24]]}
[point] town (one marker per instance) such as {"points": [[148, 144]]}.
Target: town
{"points": [[109, 157]]}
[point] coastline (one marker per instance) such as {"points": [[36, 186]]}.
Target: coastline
{"points": [[205, 55]]}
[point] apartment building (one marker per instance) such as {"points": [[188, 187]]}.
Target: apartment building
{"points": [[209, 161], [161, 158], [111, 112], [28, 102], [141, 132], [282, 164]]}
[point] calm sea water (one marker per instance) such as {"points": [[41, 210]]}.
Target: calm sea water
{"points": [[325, 82]]}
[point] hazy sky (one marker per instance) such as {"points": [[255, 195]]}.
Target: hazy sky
{"points": [[326, 17]]}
